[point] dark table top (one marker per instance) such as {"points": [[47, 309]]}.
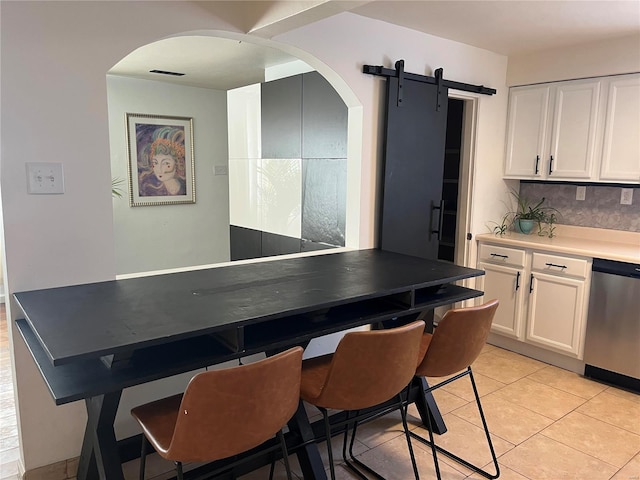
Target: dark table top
{"points": [[93, 320]]}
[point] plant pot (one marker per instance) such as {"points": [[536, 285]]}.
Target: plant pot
{"points": [[524, 225]]}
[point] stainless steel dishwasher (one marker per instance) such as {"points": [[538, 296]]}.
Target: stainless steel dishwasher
{"points": [[612, 343]]}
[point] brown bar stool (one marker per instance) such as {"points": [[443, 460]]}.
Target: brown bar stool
{"points": [[368, 368], [455, 344], [223, 413]]}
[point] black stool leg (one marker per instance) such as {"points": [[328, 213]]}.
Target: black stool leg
{"points": [[344, 447], [273, 466], [327, 432], [143, 456], [433, 447], [285, 455], [449, 454], [362, 465], [403, 413]]}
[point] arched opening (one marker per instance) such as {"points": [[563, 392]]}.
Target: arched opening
{"points": [[235, 96]]}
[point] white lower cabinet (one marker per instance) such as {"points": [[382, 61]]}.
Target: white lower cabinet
{"points": [[505, 284], [543, 296]]}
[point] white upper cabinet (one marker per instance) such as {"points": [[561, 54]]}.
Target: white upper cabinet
{"points": [[621, 143], [575, 116], [552, 131], [581, 130], [527, 130]]}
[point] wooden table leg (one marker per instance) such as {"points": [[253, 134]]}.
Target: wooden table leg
{"points": [[99, 458], [427, 405], [309, 455]]}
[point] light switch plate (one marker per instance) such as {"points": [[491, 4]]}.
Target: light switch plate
{"points": [[44, 178], [220, 170]]}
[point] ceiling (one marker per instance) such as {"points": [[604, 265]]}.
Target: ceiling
{"points": [[508, 27], [512, 27]]}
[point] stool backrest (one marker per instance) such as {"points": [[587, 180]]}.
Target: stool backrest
{"points": [[371, 367], [227, 412], [458, 340]]}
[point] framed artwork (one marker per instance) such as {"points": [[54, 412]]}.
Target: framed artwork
{"points": [[161, 163]]}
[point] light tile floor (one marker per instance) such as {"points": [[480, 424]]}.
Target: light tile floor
{"points": [[546, 423]]}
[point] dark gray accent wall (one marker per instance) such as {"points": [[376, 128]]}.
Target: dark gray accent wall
{"points": [[245, 243], [274, 244], [324, 119], [324, 200], [601, 207], [281, 104], [304, 117], [248, 243]]}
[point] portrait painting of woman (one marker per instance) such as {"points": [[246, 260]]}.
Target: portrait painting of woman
{"points": [[162, 171]]}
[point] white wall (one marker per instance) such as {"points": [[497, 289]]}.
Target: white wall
{"points": [[54, 57], [361, 41], [611, 57], [162, 237]]}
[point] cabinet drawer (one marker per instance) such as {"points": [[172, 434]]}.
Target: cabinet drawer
{"points": [[501, 255], [574, 267]]}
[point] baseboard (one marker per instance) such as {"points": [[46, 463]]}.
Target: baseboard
{"points": [[63, 470], [540, 354]]}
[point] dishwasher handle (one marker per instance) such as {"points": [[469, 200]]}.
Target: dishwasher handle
{"points": [[616, 268]]}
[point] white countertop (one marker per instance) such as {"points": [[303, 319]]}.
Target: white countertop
{"points": [[581, 241]]}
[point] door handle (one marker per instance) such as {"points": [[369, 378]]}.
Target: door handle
{"points": [[531, 283], [550, 164], [517, 281], [440, 207], [537, 163]]}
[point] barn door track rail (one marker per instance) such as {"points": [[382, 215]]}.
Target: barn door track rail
{"points": [[437, 80]]}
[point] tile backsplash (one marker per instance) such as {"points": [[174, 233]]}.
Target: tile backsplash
{"points": [[601, 207]]}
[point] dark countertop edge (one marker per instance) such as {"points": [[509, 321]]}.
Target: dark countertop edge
{"points": [[63, 360]]}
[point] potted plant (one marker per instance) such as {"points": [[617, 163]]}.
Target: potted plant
{"points": [[116, 187], [529, 214]]}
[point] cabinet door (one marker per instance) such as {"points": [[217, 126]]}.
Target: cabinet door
{"points": [[556, 309], [526, 135], [505, 284], [573, 137], [621, 149]]}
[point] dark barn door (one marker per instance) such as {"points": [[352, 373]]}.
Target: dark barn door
{"points": [[412, 207]]}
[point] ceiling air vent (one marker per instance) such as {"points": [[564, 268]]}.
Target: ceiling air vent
{"points": [[164, 72]]}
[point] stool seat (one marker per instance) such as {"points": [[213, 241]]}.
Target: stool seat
{"points": [[158, 421], [315, 375], [367, 369], [224, 412], [449, 352]]}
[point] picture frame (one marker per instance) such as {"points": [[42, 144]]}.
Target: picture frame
{"points": [[161, 165]]}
